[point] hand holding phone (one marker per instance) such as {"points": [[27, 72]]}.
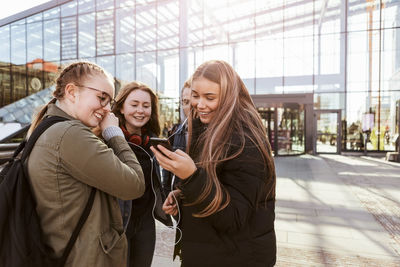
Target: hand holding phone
{"points": [[154, 141]]}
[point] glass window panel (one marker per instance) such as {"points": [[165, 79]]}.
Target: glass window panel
{"points": [[363, 15], [34, 18], [330, 23], [5, 96], [108, 63], [220, 52], [298, 56], [195, 58], [168, 25], [194, 23], [18, 82], [52, 13], [390, 59], [105, 33], [18, 44], [85, 6], [69, 9], [35, 77], [363, 61], [50, 72], [146, 27], [104, 4], [125, 30], [241, 23], [52, 40], [244, 63], [125, 68], [215, 20], [146, 69], [269, 20], [5, 44], [391, 13], [329, 101], [87, 42], [168, 73], [35, 41], [269, 65], [125, 3], [68, 37]]}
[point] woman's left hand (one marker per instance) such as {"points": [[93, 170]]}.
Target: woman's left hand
{"points": [[178, 162]]}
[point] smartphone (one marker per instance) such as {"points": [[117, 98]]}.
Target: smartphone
{"points": [[154, 141]]}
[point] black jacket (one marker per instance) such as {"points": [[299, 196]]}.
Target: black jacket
{"points": [[242, 234], [178, 136]]}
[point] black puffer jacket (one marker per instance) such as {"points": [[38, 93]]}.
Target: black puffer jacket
{"points": [[242, 234]]}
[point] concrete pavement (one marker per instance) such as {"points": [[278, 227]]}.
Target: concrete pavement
{"points": [[331, 210]]}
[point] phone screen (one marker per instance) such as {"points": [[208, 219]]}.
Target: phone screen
{"points": [[154, 141]]}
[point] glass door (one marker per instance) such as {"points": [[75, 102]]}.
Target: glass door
{"points": [[328, 131]]}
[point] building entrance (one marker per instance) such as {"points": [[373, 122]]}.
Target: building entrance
{"points": [[288, 122], [285, 128]]}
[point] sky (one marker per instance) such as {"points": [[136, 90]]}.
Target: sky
{"points": [[11, 7]]}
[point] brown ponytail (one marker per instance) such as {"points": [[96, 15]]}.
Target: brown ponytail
{"points": [[76, 72]]}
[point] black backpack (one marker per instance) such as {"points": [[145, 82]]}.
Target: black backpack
{"points": [[21, 243]]}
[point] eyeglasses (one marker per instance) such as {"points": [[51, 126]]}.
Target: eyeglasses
{"points": [[104, 98]]}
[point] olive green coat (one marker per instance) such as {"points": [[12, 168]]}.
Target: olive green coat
{"points": [[66, 161]]}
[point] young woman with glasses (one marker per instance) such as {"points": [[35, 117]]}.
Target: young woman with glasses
{"points": [[68, 160]]}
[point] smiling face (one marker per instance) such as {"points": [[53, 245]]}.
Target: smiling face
{"points": [[136, 110], [205, 98], [88, 108]]}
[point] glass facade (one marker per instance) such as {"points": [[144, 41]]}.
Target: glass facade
{"points": [[345, 53]]}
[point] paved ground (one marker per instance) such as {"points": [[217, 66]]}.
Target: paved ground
{"points": [[331, 210]]}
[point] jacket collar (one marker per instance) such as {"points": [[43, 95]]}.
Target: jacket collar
{"points": [[54, 110]]}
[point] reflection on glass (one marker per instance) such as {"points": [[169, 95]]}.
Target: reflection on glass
{"points": [[68, 38], [146, 69], [34, 41], [288, 137], [51, 40], [146, 33], [327, 131], [69, 9], [105, 33], [85, 6], [125, 30], [125, 68], [5, 44], [18, 44], [87, 42], [108, 63]]}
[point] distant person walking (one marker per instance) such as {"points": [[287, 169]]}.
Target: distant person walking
{"points": [[228, 187], [68, 160]]}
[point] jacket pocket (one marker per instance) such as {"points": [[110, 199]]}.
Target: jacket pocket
{"points": [[111, 239]]}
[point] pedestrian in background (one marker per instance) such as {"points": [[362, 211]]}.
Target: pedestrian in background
{"points": [[68, 160], [228, 187]]}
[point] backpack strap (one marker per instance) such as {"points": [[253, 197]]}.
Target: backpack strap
{"points": [[75, 233], [27, 146]]}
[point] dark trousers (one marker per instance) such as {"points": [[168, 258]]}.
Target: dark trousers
{"points": [[141, 244]]}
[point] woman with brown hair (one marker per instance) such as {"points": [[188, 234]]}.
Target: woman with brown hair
{"points": [[68, 160], [136, 108], [228, 187]]}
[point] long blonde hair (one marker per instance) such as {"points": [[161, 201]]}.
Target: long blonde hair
{"points": [[235, 112], [76, 73], [153, 125]]}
